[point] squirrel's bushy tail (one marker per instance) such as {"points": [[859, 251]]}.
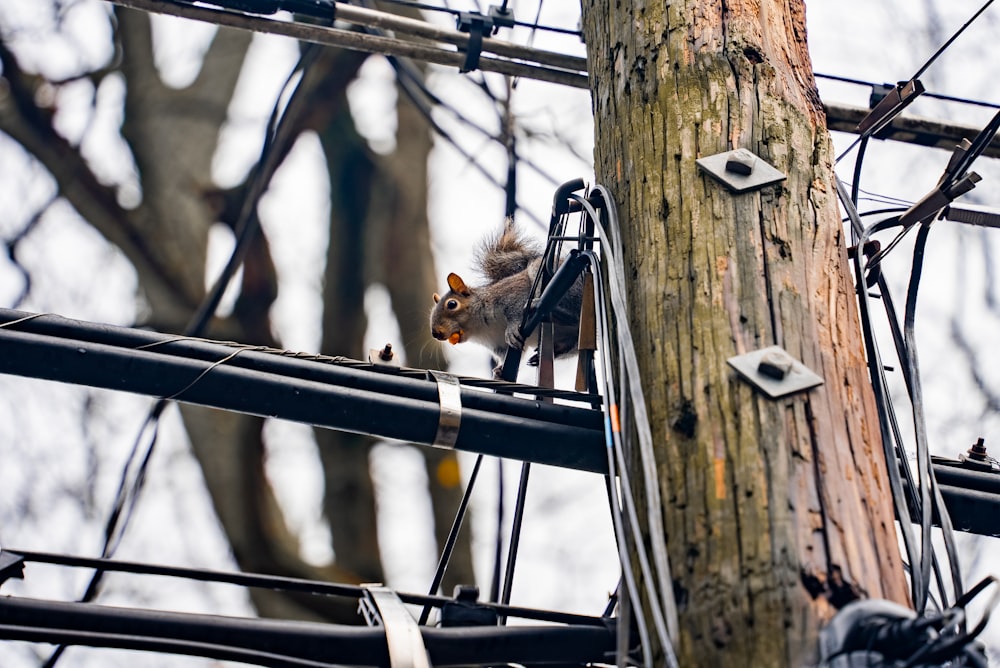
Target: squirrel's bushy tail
{"points": [[505, 253]]}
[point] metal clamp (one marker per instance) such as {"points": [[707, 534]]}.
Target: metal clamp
{"points": [[383, 357], [450, 418], [890, 105], [740, 170], [774, 372], [382, 607]]}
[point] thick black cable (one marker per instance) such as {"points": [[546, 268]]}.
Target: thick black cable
{"points": [[283, 583], [876, 375], [858, 162], [944, 47], [927, 486], [934, 96], [920, 434], [925, 473], [217, 651], [913, 80], [332, 643]]}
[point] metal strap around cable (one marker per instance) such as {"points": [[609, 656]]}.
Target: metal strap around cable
{"points": [[383, 607], [450, 418]]}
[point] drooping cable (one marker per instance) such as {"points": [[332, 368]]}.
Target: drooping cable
{"points": [[643, 433], [621, 425], [882, 402], [925, 496], [411, 81], [905, 92], [611, 425], [933, 96], [951, 40], [925, 473], [956, 180]]}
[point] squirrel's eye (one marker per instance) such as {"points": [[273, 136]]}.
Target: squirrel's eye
{"points": [[451, 304]]}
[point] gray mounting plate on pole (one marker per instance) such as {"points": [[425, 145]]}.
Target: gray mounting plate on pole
{"points": [[798, 378], [760, 173]]}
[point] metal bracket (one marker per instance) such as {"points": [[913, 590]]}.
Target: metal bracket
{"points": [[382, 607], [384, 357], [476, 25], [740, 170], [977, 458], [973, 215], [465, 610], [450, 418], [889, 105], [774, 372]]}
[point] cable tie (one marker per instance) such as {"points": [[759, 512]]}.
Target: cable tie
{"points": [[973, 215], [382, 607], [890, 106], [475, 24], [450, 417]]}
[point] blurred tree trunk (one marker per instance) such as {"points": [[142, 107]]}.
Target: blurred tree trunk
{"points": [[173, 134], [378, 234], [772, 509]]}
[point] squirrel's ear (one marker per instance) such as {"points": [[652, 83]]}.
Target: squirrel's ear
{"points": [[437, 298], [456, 284]]}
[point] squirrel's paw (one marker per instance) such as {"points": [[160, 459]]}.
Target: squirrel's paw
{"points": [[514, 339]]}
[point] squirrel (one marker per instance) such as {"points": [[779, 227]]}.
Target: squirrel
{"points": [[491, 314]]}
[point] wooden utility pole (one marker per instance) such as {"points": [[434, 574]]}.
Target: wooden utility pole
{"points": [[775, 511]]}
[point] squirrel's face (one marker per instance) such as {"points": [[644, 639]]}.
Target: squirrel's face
{"points": [[448, 313]]}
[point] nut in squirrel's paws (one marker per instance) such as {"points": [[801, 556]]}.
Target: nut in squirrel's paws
{"points": [[455, 337]]}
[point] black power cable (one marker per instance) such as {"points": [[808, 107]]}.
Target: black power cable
{"points": [[933, 96], [904, 93]]}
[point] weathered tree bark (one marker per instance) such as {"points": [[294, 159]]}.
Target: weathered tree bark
{"points": [[767, 504]]}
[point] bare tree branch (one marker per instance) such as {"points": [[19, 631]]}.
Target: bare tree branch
{"points": [[31, 126]]}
